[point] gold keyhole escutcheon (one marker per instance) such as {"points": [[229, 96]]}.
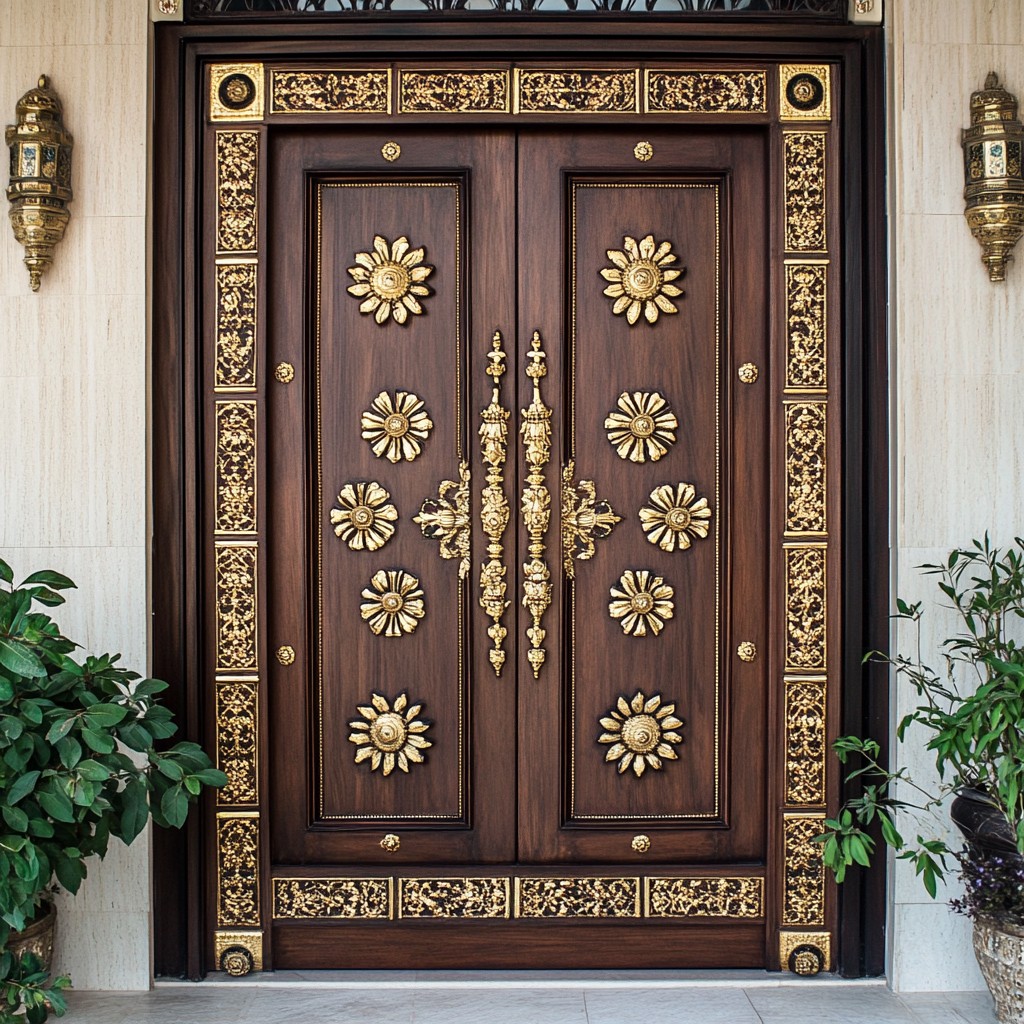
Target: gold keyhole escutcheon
{"points": [[748, 373], [641, 844], [286, 654], [746, 651], [284, 372], [391, 843]]}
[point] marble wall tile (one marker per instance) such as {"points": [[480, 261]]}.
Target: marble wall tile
{"points": [[103, 949], [73, 23], [957, 21], [932, 950]]}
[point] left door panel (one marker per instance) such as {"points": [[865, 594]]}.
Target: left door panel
{"points": [[393, 267]]}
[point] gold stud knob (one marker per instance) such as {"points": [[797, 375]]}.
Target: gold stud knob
{"points": [[391, 151], [746, 651], [641, 844], [284, 372], [391, 843], [747, 373], [285, 654], [643, 151]]}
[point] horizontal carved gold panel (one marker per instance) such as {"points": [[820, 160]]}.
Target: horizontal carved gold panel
{"points": [[351, 899], [331, 91], [454, 92], [705, 92], [558, 91], [454, 897], [705, 897], [578, 897]]}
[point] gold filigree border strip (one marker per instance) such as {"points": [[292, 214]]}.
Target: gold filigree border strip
{"points": [[237, 720], [238, 876], [803, 902], [330, 91], [568, 91], [454, 91], [238, 165], [235, 482], [806, 325], [675, 91], [235, 581], [806, 607], [235, 355], [806, 467], [805, 182], [806, 739]]}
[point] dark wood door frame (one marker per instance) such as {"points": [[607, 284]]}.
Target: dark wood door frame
{"points": [[181, 887]]}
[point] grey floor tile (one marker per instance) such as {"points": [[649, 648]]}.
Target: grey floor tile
{"points": [[815, 1004], [974, 1007], [931, 1008], [670, 1006], [500, 1006]]}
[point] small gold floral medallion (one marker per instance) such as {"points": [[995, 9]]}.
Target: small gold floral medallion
{"points": [[640, 281], [389, 279], [389, 735], [641, 732], [396, 426], [393, 603], [643, 428], [642, 602], [364, 518], [674, 516]]}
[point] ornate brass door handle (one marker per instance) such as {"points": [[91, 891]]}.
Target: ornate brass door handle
{"points": [[585, 519], [536, 505]]}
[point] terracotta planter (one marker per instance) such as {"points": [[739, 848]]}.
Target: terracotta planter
{"points": [[37, 936], [1000, 952]]}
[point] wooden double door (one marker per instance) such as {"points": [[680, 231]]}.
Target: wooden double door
{"points": [[517, 547]]}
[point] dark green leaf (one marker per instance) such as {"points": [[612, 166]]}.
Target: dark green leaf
{"points": [[50, 579], [22, 786], [20, 660]]}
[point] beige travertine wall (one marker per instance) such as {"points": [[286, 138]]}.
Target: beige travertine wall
{"points": [[73, 453], [958, 370]]}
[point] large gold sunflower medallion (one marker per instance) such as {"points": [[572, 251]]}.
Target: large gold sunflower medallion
{"points": [[389, 279], [674, 516], [641, 279], [642, 602], [389, 735], [644, 427], [364, 517], [393, 603], [396, 426], [641, 732]]}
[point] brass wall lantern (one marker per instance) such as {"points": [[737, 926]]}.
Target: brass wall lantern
{"points": [[994, 188], [40, 183]]}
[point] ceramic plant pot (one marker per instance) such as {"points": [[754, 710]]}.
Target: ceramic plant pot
{"points": [[37, 936], [1000, 952]]}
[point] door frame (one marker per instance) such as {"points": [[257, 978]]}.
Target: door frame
{"points": [[182, 886]]}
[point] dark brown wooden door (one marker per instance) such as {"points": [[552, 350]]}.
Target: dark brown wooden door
{"points": [[427, 809]]}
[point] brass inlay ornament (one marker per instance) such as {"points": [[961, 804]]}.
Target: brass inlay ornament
{"points": [[641, 732], [236, 467], [644, 428], [804, 876], [804, 92], [393, 603], [805, 953], [805, 326], [584, 519], [391, 843], [483, 898], [364, 518], [805, 191], [389, 279], [235, 365], [705, 897], [396, 426], [578, 897], [389, 736], [286, 654], [806, 743], [238, 880], [640, 844], [238, 953], [446, 519], [746, 651], [391, 151], [284, 373], [495, 512], [349, 91], [641, 279], [674, 516], [40, 183], [236, 92], [536, 506], [806, 437], [643, 151], [237, 717], [706, 92], [748, 373], [351, 899], [453, 92], [238, 156], [643, 604]]}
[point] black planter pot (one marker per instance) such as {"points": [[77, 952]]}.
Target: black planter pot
{"points": [[984, 826]]}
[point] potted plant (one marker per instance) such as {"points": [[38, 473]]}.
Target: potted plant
{"points": [[79, 764], [972, 713]]}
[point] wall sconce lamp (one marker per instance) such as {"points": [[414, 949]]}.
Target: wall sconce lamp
{"points": [[993, 186], [40, 183]]}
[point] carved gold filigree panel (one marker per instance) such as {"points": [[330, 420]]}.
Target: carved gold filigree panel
{"points": [[806, 476], [642, 732], [454, 897], [389, 735], [804, 156], [236, 92], [454, 92], [803, 900], [237, 717], [352, 899], [806, 308], [705, 897], [585, 519], [804, 93], [235, 572], [237, 179], [705, 92], [238, 879], [577, 92], [236, 467], [446, 519], [348, 91], [235, 359], [578, 897], [495, 511], [805, 608], [806, 741]]}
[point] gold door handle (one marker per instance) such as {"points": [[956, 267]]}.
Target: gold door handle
{"points": [[585, 519], [494, 509], [536, 505]]}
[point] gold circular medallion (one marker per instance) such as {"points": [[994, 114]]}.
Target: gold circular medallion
{"points": [[286, 654], [643, 151], [641, 844], [284, 372], [391, 843], [391, 151], [641, 733], [747, 373], [746, 651]]}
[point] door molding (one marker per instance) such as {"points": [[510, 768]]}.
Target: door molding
{"points": [[181, 549]]}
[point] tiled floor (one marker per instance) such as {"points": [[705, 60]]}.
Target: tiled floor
{"points": [[536, 997]]}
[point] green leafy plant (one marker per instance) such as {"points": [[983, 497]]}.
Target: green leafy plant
{"points": [[972, 713], [79, 764]]}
